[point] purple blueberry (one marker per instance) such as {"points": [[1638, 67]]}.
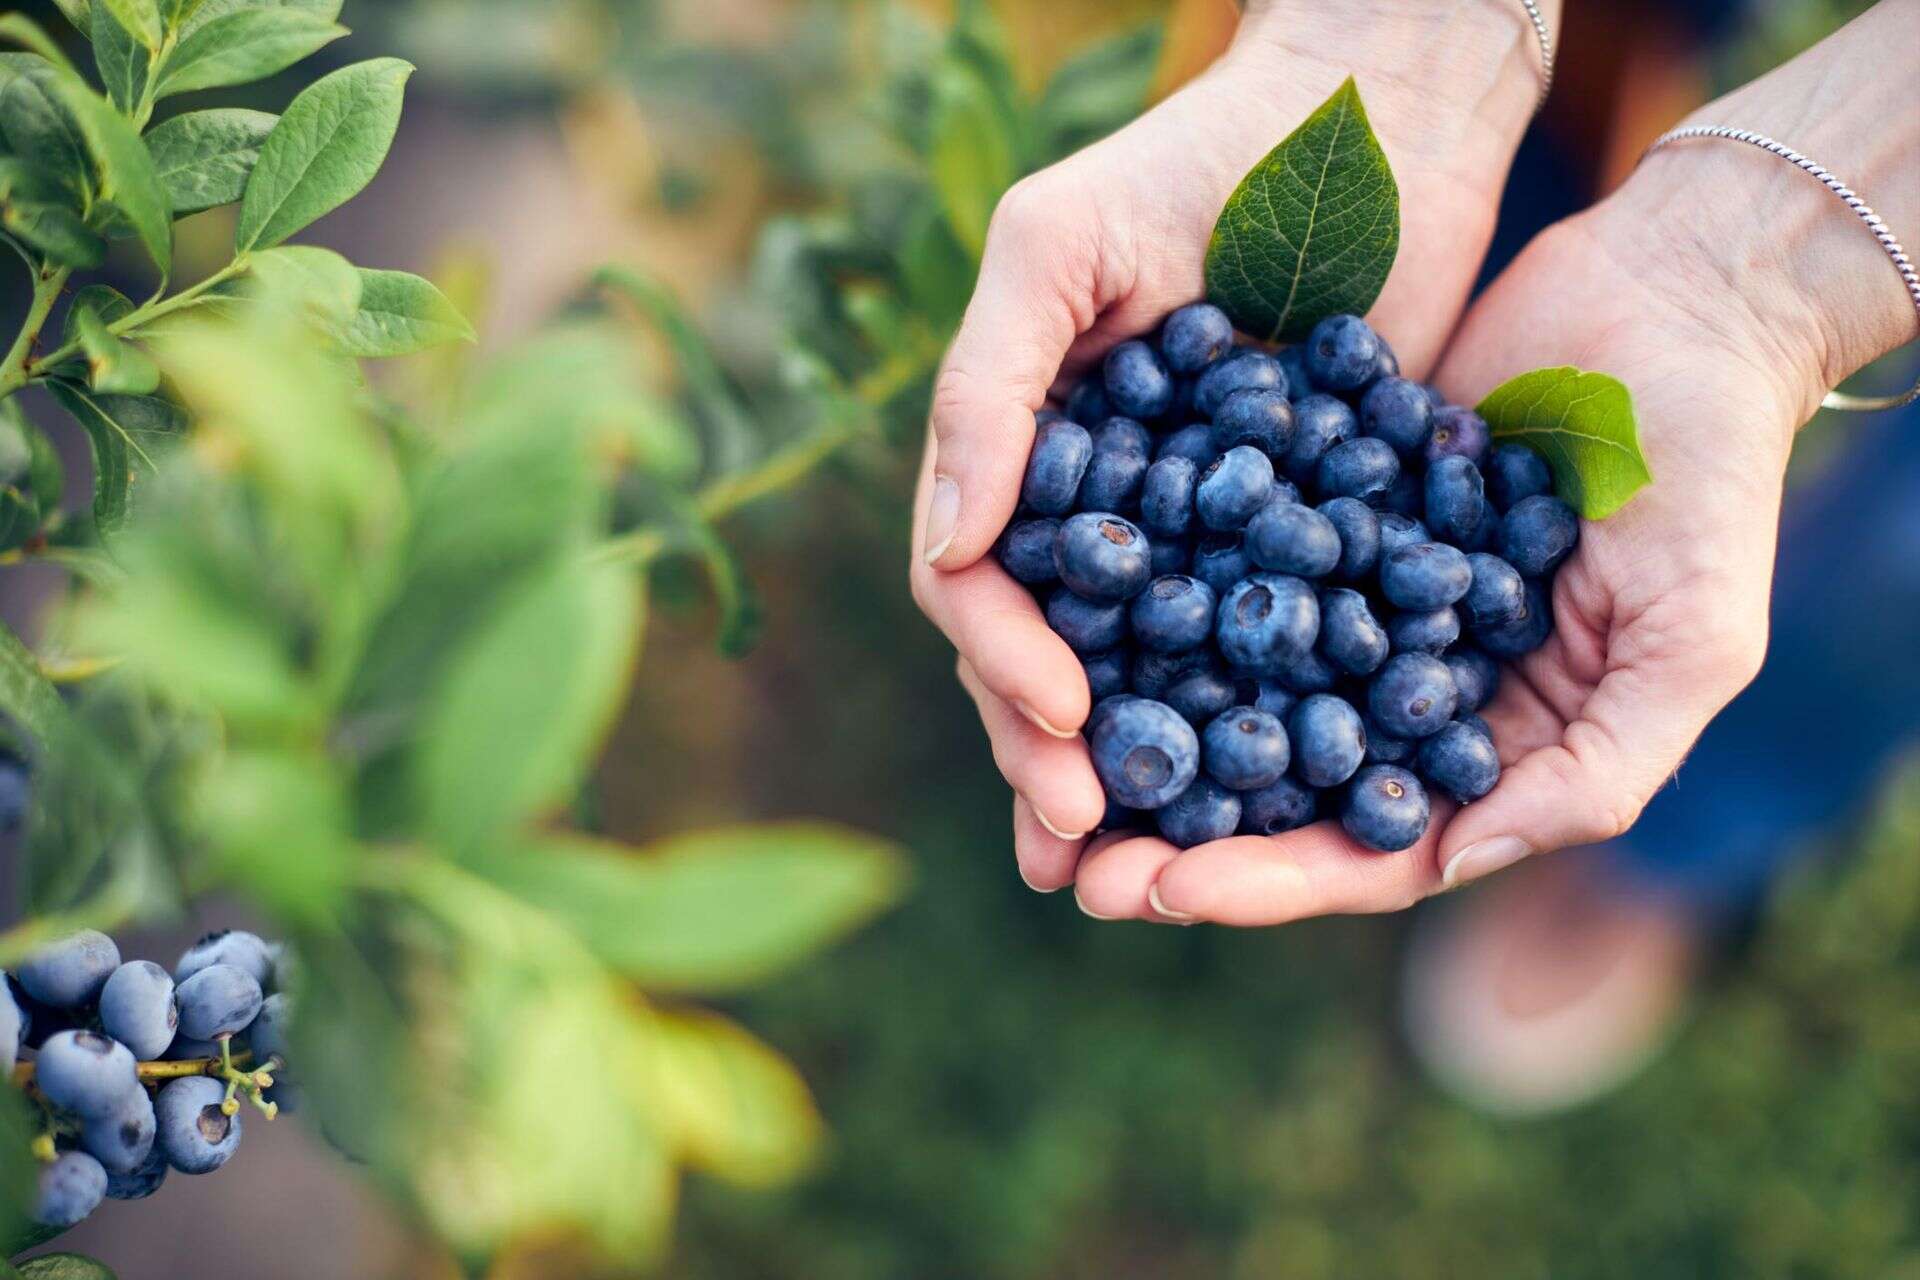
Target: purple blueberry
{"points": [[1457, 433], [1204, 812], [1137, 380], [1413, 696], [1397, 411], [1101, 556], [1386, 808], [1195, 336], [1145, 753], [1461, 761], [1233, 487], [1281, 806], [1256, 416], [1537, 534], [1174, 613], [1427, 575], [1329, 740], [1266, 623], [1055, 468], [1343, 353], [1364, 468], [1320, 422], [1088, 626], [1285, 537], [1244, 749]]}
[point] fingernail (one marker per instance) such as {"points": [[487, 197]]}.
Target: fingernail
{"points": [[1030, 884], [943, 516], [1044, 726], [1153, 900], [1083, 908], [1064, 835], [1484, 859]]}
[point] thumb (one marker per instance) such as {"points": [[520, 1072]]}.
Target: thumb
{"points": [[1034, 292]]}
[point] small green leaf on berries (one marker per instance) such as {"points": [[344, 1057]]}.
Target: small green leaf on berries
{"points": [[1583, 424]]}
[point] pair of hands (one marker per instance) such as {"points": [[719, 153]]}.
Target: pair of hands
{"points": [[1661, 616]]}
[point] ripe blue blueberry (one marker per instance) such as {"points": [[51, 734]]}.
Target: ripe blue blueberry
{"points": [[245, 951], [1195, 336], [1055, 468], [1043, 416], [69, 1189], [1457, 433], [1088, 402], [1280, 806], [1202, 694], [1456, 499], [1114, 473], [1364, 468], [85, 1073], [1498, 593], [1169, 555], [1274, 698], [1320, 422], [16, 791], [1397, 531], [1312, 674], [1194, 442], [1431, 631], [1387, 365], [1155, 673], [1102, 557], [1461, 761], [1026, 550], [1397, 411], [1232, 373], [220, 1000], [1088, 626], [69, 973], [1484, 536], [267, 1037], [1244, 749], [136, 1008], [1107, 674], [1475, 723], [142, 1182], [1255, 416], [1137, 380], [1359, 528], [1204, 812], [1343, 354], [194, 1132], [1386, 808], [1406, 496], [1266, 623], [1284, 491], [1145, 753], [1413, 696], [1522, 635], [122, 1141], [1286, 537], [1514, 472], [1328, 738], [1173, 613], [1475, 675], [1435, 395], [1427, 575], [1293, 362], [1350, 636], [1123, 434], [1537, 534], [1166, 497], [1384, 748], [1220, 560], [1233, 487]]}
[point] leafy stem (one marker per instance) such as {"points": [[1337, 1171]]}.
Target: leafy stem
{"points": [[47, 285], [157, 1072], [141, 316]]}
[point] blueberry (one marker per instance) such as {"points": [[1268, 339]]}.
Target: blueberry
{"points": [[1537, 534], [194, 1132], [136, 1008], [1475, 723], [1117, 817], [1397, 411], [142, 1182], [1137, 380], [267, 1037], [1475, 675], [1328, 740], [1384, 748], [245, 951], [1245, 749], [1102, 557], [1166, 497], [1365, 468], [1458, 433], [1195, 336], [1515, 472], [1194, 442], [1397, 531], [1427, 575], [1280, 806], [1342, 353], [1283, 492], [1055, 468], [219, 1000], [1173, 613], [1359, 528], [1088, 402], [1413, 696], [16, 791], [70, 972], [286, 972], [1461, 761], [1233, 487], [1434, 396], [1088, 626], [1254, 416], [1350, 637], [1232, 373], [1106, 675], [69, 1189], [1293, 362], [1155, 673], [1274, 698], [1387, 364], [1386, 808], [1456, 499], [1312, 674], [14, 1022], [1145, 753], [1406, 496], [1220, 560], [1202, 694], [122, 1141], [1204, 812], [1124, 435], [1286, 537], [1169, 555], [1320, 422], [1266, 623], [1522, 635], [85, 1073], [186, 1049], [1114, 474], [1498, 593], [1046, 416], [1026, 550], [1484, 536], [1431, 631]]}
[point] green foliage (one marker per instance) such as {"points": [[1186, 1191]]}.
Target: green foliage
{"points": [[59, 1266], [1583, 424], [203, 158]]}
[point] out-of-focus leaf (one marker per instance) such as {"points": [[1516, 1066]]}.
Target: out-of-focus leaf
{"points": [[278, 824], [64, 1266], [243, 46], [19, 1172], [19, 517], [25, 694], [713, 396], [971, 159], [123, 170], [79, 13], [37, 123], [1099, 89], [122, 60], [741, 615], [56, 232], [935, 268], [205, 157], [16, 443], [121, 430], [208, 11], [745, 1114], [114, 366], [106, 303], [399, 314], [710, 911], [140, 17], [18, 28], [318, 283]]}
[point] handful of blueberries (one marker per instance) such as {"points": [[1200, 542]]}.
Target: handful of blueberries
{"points": [[87, 1023], [1291, 578]]}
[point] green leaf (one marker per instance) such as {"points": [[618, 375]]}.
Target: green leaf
{"points": [[19, 29], [19, 517], [1099, 89], [553, 662], [317, 282], [718, 402], [741, 614], [37, 124], [1583, 424], [710, 911], [971, 156], [123, 168], [104, 301], [64, 1266], [121, 429], [745, 1114], [244, 46], [140, 17], [123, 61], [25, 693], [114, 366], [79, 13], [1312, 231], [55, 231], [399, 314], [203, 158], [208, 11], [325, 150]]}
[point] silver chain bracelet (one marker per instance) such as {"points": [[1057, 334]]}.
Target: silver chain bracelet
{"points": [[1901, 262], [1546, 51]]}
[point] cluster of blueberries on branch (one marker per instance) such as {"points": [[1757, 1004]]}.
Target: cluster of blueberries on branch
{"points": [[1291, 577]]}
